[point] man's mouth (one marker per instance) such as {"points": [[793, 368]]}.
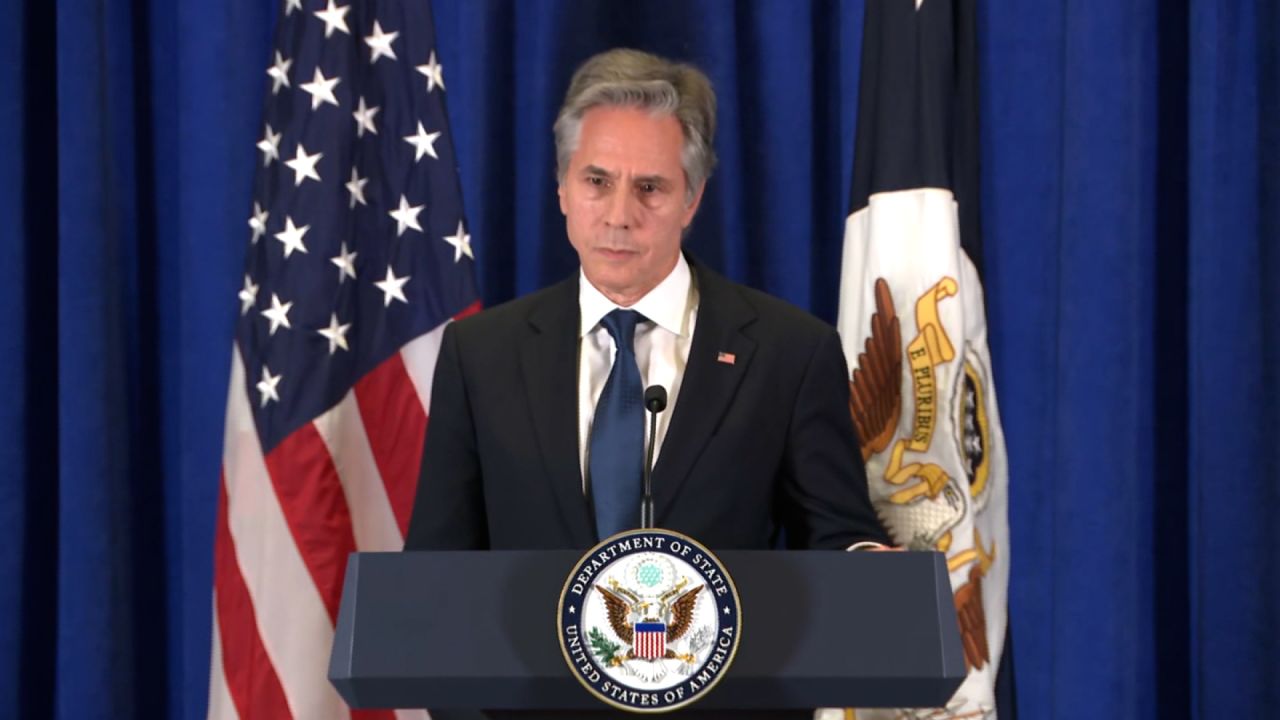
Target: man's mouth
{"points": [[615, 254]]}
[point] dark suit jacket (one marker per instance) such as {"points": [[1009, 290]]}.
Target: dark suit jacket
{"points": [[757, 446]]}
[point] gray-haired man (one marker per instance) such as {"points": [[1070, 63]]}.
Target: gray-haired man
{"points": [[756, 443]]}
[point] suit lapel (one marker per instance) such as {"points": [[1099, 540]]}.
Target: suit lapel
{"points": [[549, 358], [718, 360]]}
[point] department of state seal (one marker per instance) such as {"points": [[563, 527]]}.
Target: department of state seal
{"points": [[649, 621]]}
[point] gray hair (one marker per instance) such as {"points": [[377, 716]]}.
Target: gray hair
{"points": [[631, 78]]}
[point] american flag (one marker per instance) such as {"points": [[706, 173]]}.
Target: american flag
{"points": [[650, 640], [358, 255]]}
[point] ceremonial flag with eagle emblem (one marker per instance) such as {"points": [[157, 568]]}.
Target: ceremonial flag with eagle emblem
{"points": [[357, 257], [913, 324]]}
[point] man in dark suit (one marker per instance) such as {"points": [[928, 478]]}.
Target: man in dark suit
{"points": [[755, 446], [536, 430], [757, 440]]}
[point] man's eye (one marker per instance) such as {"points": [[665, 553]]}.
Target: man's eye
{"points": [[596, 180], [648, 188]]}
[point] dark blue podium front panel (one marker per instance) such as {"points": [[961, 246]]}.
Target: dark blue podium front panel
{"points": [[478, 630]]}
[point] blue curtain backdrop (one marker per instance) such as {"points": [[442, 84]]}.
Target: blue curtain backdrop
{"points": [[1132, 218]]}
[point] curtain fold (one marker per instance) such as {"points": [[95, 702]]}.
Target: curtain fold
{"points": [[28, 340], [1234, 358], [1131, 210], [1073, 255]]}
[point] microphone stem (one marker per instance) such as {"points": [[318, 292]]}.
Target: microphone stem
{"points": [[646, 502]]}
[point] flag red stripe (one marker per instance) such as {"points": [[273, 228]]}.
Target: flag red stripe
{"points": [[395, 423], [251, 679], [397, 449], [315, 507]]}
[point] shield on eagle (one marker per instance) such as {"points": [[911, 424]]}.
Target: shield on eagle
{"points": [[650, 640]]}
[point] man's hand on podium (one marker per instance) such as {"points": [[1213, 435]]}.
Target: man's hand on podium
{"points": [[873, 546]]}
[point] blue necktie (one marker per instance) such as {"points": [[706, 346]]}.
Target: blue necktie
{"points": [[616, 458]]}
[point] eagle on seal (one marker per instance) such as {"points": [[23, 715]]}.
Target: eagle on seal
{"points": [[673, 608]]}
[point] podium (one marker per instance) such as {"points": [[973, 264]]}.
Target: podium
{"points": [[472, 630]]}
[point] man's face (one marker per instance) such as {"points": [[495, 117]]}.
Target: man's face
{"points": [[623, 199]]}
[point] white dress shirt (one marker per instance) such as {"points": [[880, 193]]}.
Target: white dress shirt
{"points": [[662, 344]]}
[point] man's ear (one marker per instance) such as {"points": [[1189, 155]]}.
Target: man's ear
{"points": [[564, 205], [692, 208]]}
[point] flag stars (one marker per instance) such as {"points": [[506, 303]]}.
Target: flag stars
{"points": [[278, 314], [346, 262], [321, 89], [304, 165], [392, 288], [291, 5], [267, 386], [355, 186], [279, 73], [380, 43], [406, 217], [270, 146], [434, 72], [424, 142], [248, 295], [461, 243], [291, 236], [258, 223], [336, 334], [335, 18], [364, 118]]}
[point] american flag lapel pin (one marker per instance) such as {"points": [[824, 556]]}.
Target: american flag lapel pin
{"points": [[726, 358]]}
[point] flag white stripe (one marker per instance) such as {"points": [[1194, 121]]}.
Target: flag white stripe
{"points": [[419, 357], [292, 619], [221, 706], [372, 520]]}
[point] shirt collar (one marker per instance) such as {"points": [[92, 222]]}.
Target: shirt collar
{"points": [[665, 305]]}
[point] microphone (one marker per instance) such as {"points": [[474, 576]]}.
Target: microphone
{"points": [[655, 401]]}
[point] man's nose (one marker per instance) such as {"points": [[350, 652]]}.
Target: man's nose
{"points": [[621, 210]]}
